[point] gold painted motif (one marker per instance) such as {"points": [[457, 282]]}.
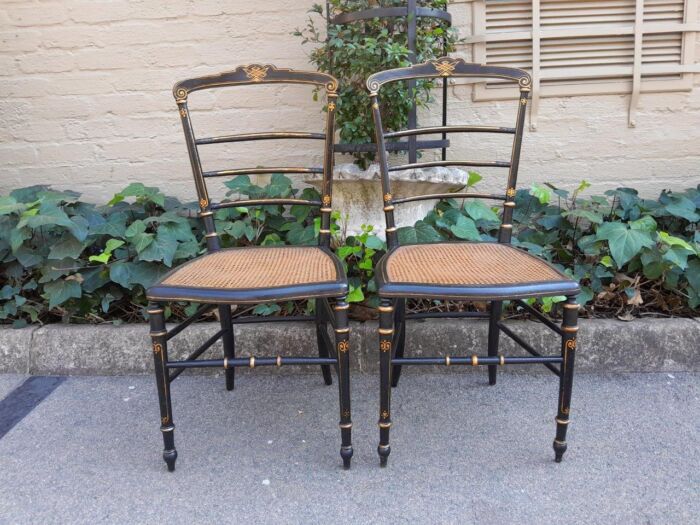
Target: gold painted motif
{"points": [[343, 346], [256, 73], [511, 192], [571, 344], [183, 112], [157, 348], [387, 197], [164, 420], [523, 101], [445, 68], [346, 413], [331, 106], [326, 200], [385, 346], [203, 203], [385, 414]]}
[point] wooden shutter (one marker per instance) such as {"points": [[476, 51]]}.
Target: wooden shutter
{"points": [[588, 46]]}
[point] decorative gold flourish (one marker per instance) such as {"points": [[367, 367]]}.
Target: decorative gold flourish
{"points": [[164, 420], [157, 348], [385, 346], [203, 203], [331, 106], [180, 95], [385, 414], [387, 197], [346, 413], [256, 73], [343, 346], [332, 86], [445, 67], [511, 192], [326, 200], [183, 112], [571, 344], [523, 101]]}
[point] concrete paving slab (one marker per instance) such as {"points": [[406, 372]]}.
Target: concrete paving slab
{"points": [[463, 452], [8, 382]]}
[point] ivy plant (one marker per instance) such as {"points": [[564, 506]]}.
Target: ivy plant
{"points": [[63, 259], [354, 51]]}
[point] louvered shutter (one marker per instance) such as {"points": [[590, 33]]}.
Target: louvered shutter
{"points": [[585, 46]]}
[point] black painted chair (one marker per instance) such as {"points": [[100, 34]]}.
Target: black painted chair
{"points": [[490, 272], [251, 275]]}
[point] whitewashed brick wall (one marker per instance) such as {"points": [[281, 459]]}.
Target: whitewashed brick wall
{"points": [[86, 101]]}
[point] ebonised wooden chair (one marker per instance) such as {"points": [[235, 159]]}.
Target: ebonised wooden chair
{"points": [[250, 275], [491, 272]]}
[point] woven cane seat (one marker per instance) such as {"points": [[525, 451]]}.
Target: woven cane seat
{"points": [[254, 274], [468, 270]]}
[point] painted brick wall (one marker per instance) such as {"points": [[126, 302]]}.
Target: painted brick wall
{"points": [[86, 101]]}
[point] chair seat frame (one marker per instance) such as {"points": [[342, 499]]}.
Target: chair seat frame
{"points": [[392, 308], [331, 304]]}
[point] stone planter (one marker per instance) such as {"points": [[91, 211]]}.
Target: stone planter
{"points": [[359, 193]]}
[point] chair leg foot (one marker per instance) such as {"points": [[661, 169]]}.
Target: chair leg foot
{"points": [[559, 449], [169, 456], [383, 452], [346, 454]]}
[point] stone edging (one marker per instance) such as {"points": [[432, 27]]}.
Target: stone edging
{"points": [[647, 345]]}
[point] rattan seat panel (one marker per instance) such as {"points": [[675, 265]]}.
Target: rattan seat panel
{"points": [[252, 268], [467, 264]]}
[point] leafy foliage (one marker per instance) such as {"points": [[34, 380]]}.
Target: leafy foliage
{"points": [[62, 259], [354, 51], [631, 254]]}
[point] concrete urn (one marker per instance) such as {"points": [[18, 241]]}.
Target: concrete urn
{"points": [[357, 193]]}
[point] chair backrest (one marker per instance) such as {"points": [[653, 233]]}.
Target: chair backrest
{"points": [[446, 67], [255, 74]]}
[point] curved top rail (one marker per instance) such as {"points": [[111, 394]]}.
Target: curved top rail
{"points": [[448, 67], [389, 12], [254, 74]]}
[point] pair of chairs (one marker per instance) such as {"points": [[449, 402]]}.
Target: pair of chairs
{"points": [[486, 271]]}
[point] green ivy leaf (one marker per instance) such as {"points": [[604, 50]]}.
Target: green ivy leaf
{"points": [[69, 247], [112, 244], [375, 243], [58, 292], [420, 233], [266, 309], [141, 241], [465, 229], [9, 205], [240, 184], [355, 295], [683, 207], [624, 243], [676, 241], [479, 211], [474, 177], [162, 248], [541, 193]]}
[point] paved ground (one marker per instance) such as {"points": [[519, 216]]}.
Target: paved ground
{"points": [[268, 453]]}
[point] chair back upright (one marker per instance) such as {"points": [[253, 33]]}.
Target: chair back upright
{"points": [[445, 68], [257, 74]]}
